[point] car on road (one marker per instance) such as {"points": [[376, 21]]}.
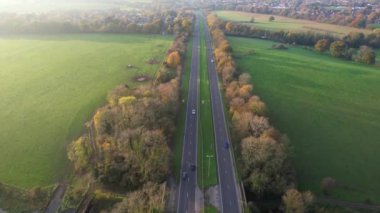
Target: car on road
{"points": [[193, 111], [226, 145], [212, 60], [184, 175]]}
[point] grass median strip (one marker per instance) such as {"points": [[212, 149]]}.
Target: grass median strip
{"points": [[182, 112], [207, 170]]}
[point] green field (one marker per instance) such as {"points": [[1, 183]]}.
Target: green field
{"points": [[207, 172], [49, 87], [284, 23], [329, 108]]}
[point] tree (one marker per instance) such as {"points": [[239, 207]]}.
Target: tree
{"points": [[173, 59], [327, 185], [338, 49], [359, 21], [266, 164], [271, 18], [322, 45], [36, 193], [256, 106], [147, 199], [366, 55], [354, 39], [244, 78], [258, 125], [293, 202], [229, 26], [252, 20], [103, 121], [80, 153], [126, 100], [297, 202]]}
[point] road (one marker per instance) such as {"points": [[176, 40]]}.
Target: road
{"points": [[188, 185], [228, 185]]}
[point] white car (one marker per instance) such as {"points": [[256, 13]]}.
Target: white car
{"points": [[212, 60], [193, 111]]}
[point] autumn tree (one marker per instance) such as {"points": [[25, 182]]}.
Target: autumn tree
{"points": [[338, 49], [103, 121], [271, 18], [322, 45], [296, 202], [366, 55], [148, 199], [359, 21], [173, 59], [80, 153], [229, 26], [266, 164]]}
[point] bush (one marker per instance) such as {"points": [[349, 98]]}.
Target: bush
{"points": [[366, 55]]}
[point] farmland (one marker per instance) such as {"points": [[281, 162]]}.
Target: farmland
{"points": [[330, 113], [284, 23], [50, 85]]}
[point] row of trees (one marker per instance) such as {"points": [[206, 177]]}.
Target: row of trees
{"points": [[115, 21], [309, 38], [321, 13], [340, 49], [264, 151], [127, 143]]}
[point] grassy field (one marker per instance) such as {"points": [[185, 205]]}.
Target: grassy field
{"points": [[284, 23], [182, 113], [50, 85], [207, 172], [328, 107]]}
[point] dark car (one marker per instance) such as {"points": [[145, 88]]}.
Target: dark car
{"points": [[226, 145], [184, 175], [192, 167]]}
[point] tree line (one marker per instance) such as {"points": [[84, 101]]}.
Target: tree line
{"points": [[364, 18], [113, 21], [345, 47], [264, 151], [127, 142]]}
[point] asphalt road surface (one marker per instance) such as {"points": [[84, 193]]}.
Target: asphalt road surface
{"points": [[228, 185], [188, 184]]}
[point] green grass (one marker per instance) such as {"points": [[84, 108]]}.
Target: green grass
{"points": [[207, 175], [50, 85], [210, 209], [182, 112], [328, 107], [285, 23]]}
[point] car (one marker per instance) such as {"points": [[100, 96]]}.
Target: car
{"points": [[212, 60], [184, 175], [193, 111], [192, 167], [226, 145]]}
